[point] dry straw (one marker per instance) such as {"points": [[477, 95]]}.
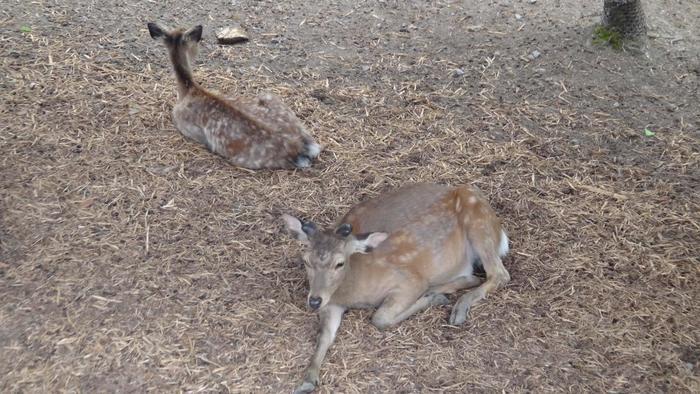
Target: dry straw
{"points": [[134, 260]]}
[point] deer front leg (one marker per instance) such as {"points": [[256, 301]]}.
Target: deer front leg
{"points": [[330, 321], [403, 303]]}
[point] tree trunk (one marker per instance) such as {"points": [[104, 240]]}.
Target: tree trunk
{"points": [[625, 17]]}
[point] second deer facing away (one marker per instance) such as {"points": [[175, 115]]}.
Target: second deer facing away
{"points": [[253, 133], [401, 252]]}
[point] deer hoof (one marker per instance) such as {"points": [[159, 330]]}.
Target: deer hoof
{"points": [[304, 388], [459, 314], [302, 161], [439, 299]]}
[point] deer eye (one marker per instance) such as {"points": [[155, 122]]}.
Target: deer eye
{"points": [[339, 265]]}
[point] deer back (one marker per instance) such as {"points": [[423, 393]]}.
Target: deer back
{"points": [[393, 211]]}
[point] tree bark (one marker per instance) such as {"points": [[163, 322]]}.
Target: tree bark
{"points": [[625, 17]]}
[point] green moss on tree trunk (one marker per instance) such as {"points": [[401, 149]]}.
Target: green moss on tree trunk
{"points": [[623, 25], [626, 17]]}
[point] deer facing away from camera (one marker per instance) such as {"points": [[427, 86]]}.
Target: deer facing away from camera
{"points": [[252, 133], [401, 252]]}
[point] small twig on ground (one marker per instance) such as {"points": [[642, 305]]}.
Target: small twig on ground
{"points": [[604, 192]]}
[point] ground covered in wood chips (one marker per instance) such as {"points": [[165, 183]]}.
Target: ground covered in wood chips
{"points": [[132, 260]]}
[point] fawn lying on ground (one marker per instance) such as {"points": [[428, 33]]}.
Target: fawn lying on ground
{"points": [[252, 133], [401, 252]]}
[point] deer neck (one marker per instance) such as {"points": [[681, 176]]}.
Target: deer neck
{"points": [[181, 66]]}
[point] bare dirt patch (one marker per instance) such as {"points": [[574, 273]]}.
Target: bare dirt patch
{"points": [[133, 260]]}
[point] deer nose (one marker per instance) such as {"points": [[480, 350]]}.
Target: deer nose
{"points": [[315, 302]]}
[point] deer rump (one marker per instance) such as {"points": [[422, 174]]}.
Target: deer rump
{"points": [[433, 218]]}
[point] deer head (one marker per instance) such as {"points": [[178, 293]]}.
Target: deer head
{"points": [[327, 255], [178, 38]]}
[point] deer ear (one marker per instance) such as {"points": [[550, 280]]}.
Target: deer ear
{"points": [[156, 31], [194, 34], [366, 242], [301, 230]]}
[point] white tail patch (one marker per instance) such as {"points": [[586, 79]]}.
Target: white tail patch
{"points": [[314, 150], [503, 245]]}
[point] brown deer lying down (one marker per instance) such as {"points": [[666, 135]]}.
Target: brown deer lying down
{"points": [[252, 133], [401, 252]]}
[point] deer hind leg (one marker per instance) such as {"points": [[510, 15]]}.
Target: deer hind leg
{"points": [[496, 276], [400, 305], [463, 282]]}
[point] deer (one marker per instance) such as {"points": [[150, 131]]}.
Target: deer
{"points": [[253, 133], [401, 252]]}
